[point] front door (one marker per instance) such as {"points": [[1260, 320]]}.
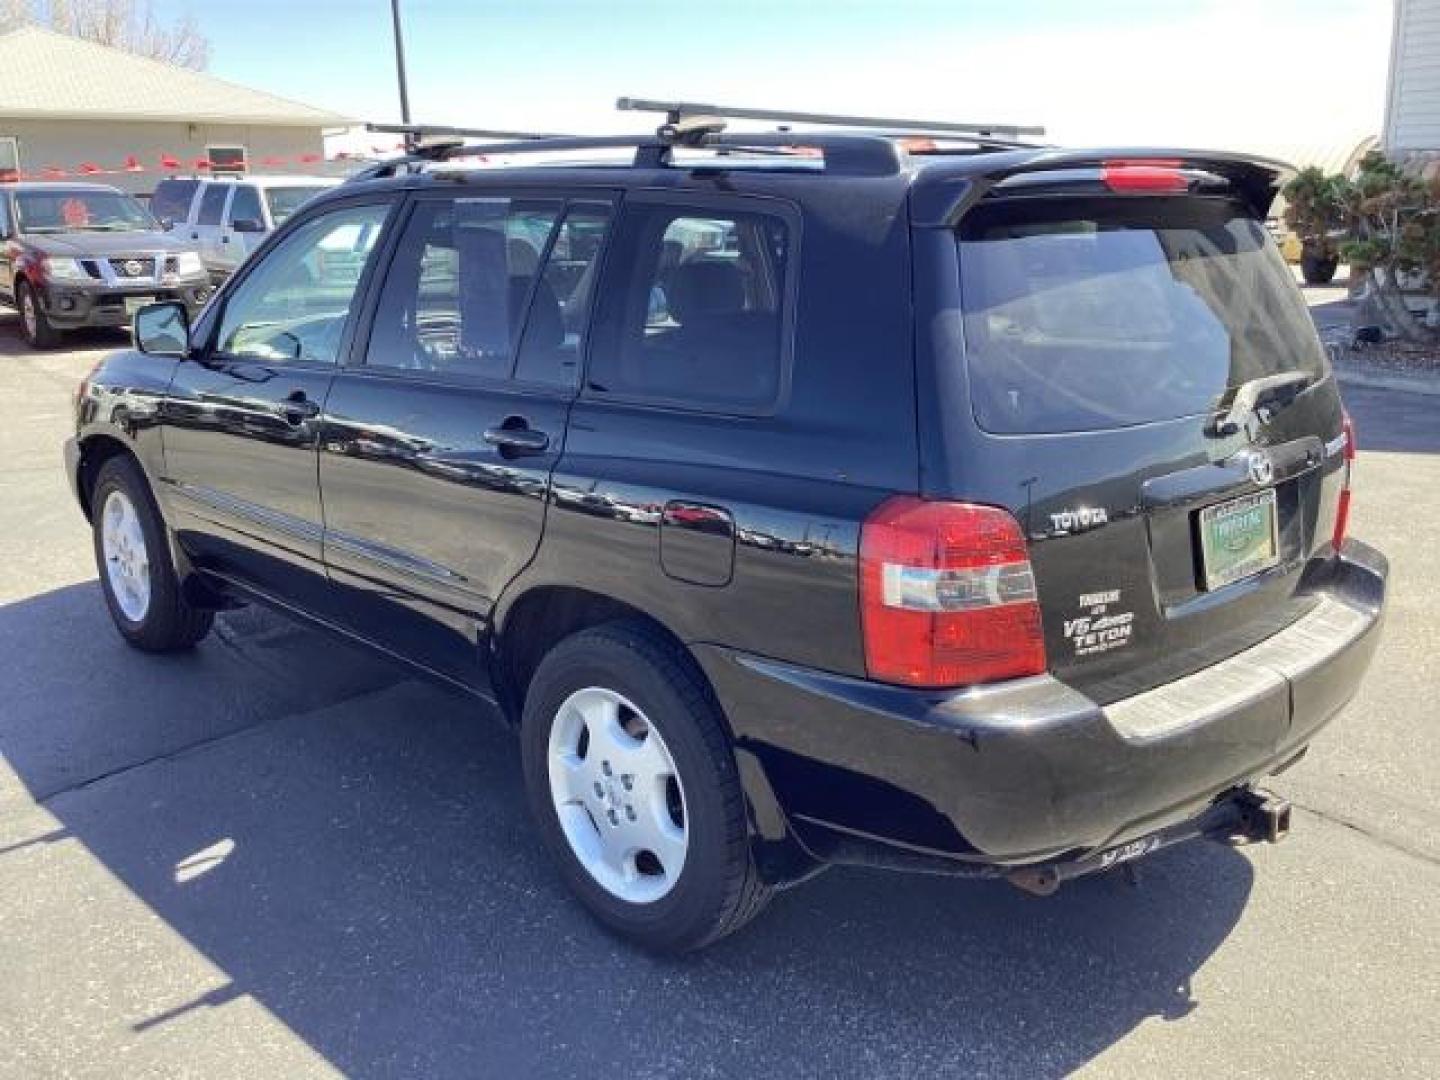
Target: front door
{"points": [[235, 245], [209, 221], [241, 422], [438, 443]]}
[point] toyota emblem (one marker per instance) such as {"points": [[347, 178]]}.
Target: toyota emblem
{"points": [[133, 268], [1262, 469]]}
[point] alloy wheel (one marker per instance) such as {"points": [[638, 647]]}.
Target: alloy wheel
{"points": [[127, 561], [617, 794]]}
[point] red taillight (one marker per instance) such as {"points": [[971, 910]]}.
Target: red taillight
{"points": [[947, 595], [1342, 509], [1144, 175]]}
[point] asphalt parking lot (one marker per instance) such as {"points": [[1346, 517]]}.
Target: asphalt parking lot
{"points": [[280, 857]]}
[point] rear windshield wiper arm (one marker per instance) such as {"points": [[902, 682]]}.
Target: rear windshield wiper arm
{"points": [[1249, 394]]}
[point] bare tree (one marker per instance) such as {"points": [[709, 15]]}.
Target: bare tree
{"points": [[126, 24]]}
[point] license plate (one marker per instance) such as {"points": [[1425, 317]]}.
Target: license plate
{"points": [[1239, 538], [135, 303]]}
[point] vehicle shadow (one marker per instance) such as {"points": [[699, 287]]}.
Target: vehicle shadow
{"points": [[351, 847]]}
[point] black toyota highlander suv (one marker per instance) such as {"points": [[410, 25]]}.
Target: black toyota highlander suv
{"points": [[74, 255], [802, 498]]}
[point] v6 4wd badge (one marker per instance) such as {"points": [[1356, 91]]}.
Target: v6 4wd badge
{"points": [[1099, 629]]}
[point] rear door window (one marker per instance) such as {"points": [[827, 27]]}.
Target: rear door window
{"points": [[212, 203], [696, 312], [560, 306], [1103, 313]]}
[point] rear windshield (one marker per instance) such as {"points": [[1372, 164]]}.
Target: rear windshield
{"points": [[1105, 313]]}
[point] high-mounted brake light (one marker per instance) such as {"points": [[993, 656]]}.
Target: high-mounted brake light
{"points": [[1342, 509], [1153, 175], [947, 595]]}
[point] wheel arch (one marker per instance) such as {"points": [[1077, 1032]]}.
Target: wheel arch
{"points": [[542, 616], [95, 450], [536, 620]]}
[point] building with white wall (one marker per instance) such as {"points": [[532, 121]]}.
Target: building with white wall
{"points": [[1412, 99], [72, 106]]}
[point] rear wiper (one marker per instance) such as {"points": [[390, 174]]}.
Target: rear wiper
{"points": [[1250, 394]]}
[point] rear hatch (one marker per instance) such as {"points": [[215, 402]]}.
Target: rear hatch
{"points": [[1145, 391]]}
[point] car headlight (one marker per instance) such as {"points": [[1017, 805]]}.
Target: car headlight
{"points": [[188, 264], [61, 268]]}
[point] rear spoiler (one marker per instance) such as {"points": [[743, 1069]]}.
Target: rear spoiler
{"points": [[942, 203]]}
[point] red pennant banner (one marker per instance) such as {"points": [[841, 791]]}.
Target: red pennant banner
{"points": [[173, 163]]}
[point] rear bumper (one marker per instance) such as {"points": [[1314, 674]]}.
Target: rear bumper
{"points": [[1032, 771]]}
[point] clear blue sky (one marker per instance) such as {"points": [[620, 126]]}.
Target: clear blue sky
{"points": [[1241, 72]]}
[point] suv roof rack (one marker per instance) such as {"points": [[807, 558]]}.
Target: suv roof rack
{"points": [[989, 134], [428, 143], [868, 146]]}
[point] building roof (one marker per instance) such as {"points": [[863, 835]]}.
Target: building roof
{"points": [[50, 76]]}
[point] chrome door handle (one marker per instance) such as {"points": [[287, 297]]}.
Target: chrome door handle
{"points": [[517, 440]]}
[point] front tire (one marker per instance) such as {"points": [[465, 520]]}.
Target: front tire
{"points": [[633, 786], [34, 323], [137, 575]]}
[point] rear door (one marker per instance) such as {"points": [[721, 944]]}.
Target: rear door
{"points": [[439, 440], [1146, 392]]}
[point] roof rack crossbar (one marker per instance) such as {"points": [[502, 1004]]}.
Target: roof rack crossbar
{"points": [[424, 130], [676, 111], [859, 153]]}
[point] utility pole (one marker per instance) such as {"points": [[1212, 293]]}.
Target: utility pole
{"points": [[400, 65]]}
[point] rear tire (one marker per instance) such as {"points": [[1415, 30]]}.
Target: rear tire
{"points": [[137, 575], [34, 323], [699, 883]]}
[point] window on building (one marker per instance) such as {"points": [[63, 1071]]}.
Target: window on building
{"points": [[226, 160], [9, 157]]}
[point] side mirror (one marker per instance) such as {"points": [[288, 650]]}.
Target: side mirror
{"points": [[248, 225], [163, 329], [167, 223]]}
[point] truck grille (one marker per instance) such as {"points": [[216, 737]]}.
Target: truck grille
{"points": [[136, 267]]}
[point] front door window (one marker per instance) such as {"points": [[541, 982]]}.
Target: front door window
{"points": [[294, 305]]}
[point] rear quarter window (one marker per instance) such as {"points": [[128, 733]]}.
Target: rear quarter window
{"points": [[695, 311], [1089, 314]]}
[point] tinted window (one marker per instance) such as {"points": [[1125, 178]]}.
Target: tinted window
{"points": [[696, 316], [171, 201], [1103, 313], [456, 293], [212, 203], [550, 350], [245, 205], [294, 304]]}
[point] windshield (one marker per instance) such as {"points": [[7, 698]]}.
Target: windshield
{"points": [[80, 211], [1100, 313], [284, 201]]}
